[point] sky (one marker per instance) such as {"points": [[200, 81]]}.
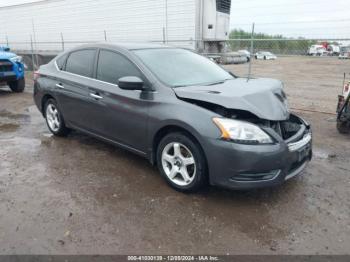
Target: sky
{"points": [[293, 18]]}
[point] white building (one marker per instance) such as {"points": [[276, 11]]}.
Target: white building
{"points": [[47, 22]]}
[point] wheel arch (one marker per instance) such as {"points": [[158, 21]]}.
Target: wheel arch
{"points": [[172, 128], [44, 99]]}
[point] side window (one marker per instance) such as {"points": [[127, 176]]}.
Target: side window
{"points": [[112, 66], [60, 62], [81, 62]]}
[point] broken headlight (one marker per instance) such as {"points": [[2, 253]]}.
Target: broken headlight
{"points": [[241, 132]]}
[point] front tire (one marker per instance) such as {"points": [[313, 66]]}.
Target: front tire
{"points": [[54, 119], [181, 162], [17, 86]]}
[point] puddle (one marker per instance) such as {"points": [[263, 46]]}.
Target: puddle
{"points": [[10, 115], [8, 127], [323, 154]]}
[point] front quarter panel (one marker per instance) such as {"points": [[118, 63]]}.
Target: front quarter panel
{"points": [[167, 110]]}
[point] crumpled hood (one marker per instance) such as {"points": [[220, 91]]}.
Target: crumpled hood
{"points": [[262, 97], [6, 55]]}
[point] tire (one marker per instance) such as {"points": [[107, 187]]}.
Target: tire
{"points": [[54, 119], [343, 127], [168, 161], [264, 57], [17, 86]]}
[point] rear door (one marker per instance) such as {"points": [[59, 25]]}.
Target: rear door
{"points": [[73, 87]]}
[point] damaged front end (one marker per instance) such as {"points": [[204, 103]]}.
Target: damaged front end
{"points": [[261, 163], [290, 130]]}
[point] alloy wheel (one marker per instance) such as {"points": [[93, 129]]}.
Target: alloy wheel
{"points": [[178, 164], [52, 117]]}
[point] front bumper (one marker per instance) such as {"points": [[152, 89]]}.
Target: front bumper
{"points": [[10, 71], [239, 166]]}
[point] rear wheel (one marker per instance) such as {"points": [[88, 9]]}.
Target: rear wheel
{"points": [[181, 162], [17, 86], [54, 119]]}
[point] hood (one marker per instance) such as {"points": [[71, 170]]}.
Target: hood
{"points": [[262, 97], [6, 55]]}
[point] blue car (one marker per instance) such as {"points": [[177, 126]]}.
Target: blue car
{"points": [[11, 70]]}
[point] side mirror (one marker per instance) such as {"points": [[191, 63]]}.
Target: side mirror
{"points": [[130, 83]]}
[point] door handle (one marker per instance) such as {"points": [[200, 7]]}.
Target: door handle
{"points": [[95, 96], [60, 86]]}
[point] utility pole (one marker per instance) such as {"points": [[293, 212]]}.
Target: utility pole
{"points": [[251, 53]]}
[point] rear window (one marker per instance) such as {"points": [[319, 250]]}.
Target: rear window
{"points": [[81, 62], [61, 61]]}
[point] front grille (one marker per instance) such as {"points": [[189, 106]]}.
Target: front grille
{"points": [[288, 128], [5, 65], [223, 6]]}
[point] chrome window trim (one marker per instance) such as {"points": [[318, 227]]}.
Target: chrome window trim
{"points": [[97, 80], [85, 77]]}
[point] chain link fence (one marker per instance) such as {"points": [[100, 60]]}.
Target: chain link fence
{"points": [[236, 50]]}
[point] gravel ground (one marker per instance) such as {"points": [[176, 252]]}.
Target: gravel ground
{"points": [[77, 195]]}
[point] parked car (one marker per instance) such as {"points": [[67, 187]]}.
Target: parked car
{"points": [[343, 108], [11, 70], [246, 53], [265, 55], [197, 122]]}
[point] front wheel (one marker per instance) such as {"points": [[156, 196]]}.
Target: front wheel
{"points": [[181, 162], [17, 86], [54, 119]]}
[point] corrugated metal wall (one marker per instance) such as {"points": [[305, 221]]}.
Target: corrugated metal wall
{"points": [[86, 20]]}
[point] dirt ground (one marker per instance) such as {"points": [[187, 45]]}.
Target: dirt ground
{"points": [[77, 195]]}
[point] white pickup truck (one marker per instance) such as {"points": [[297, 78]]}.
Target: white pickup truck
{"points": [[317, 50]]}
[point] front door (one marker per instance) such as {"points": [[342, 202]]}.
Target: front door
{"points": [[120, 115]]}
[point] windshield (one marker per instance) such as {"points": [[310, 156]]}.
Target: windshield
{"points": [[179, 67]]}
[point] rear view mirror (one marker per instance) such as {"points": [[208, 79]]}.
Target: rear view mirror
{"points": [[130, 83]]}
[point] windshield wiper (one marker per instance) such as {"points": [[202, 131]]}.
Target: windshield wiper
{"points": [[218, 82], [175, 86]]}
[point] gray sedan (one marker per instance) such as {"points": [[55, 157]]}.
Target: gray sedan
{"points": [[197, 122]]}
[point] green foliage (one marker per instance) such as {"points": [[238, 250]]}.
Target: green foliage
{"points": [[278, 44]]}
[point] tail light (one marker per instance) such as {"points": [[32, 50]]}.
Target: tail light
{"points": [[36, 75]]}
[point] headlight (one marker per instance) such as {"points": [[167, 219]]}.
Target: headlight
{"points": [[16, 59], [241, 132]]}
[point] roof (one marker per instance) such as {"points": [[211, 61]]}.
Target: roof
{"points": [[127, 46]]}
